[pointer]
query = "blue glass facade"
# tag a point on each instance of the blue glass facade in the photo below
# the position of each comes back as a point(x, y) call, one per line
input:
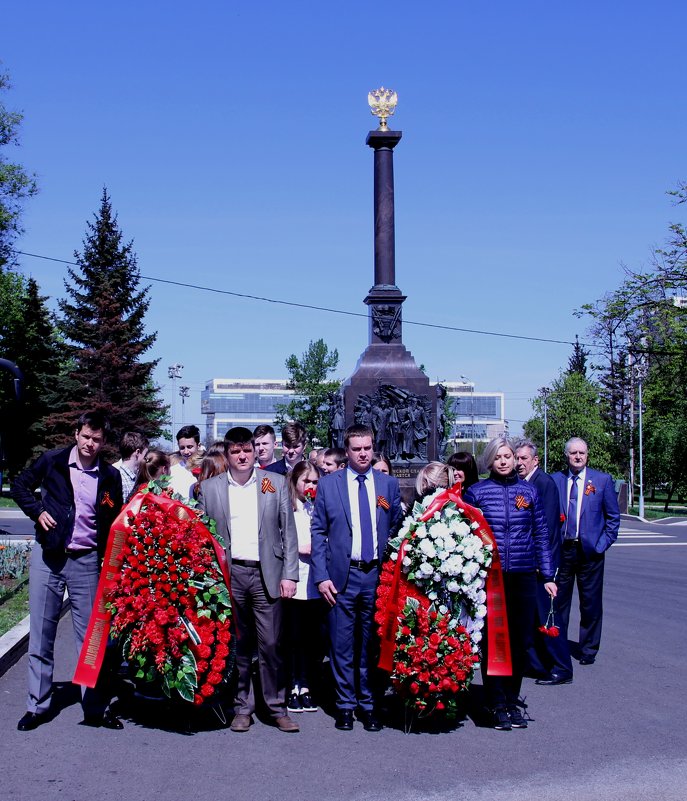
point(241, 402)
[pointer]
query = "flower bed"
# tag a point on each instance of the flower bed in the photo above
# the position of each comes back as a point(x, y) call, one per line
point(14, 566)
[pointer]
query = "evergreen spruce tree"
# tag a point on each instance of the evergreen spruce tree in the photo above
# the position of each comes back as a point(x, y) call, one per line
point(39, 353)
point(577, 363)
point(103, 323)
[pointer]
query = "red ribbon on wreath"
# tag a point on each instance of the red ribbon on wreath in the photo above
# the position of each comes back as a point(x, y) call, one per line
point(498, 640)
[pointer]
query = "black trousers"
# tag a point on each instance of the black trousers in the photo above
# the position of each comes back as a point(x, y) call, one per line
point(588, 570)
point(521, 603)
point(304, 644)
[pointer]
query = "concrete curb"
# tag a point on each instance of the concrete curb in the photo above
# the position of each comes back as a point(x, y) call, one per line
point(13, 645)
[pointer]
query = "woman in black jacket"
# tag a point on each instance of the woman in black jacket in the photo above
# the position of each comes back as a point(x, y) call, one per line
point(512, 508)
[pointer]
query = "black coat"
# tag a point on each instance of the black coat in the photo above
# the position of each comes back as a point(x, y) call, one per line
point(50, 472)
point(550, 500)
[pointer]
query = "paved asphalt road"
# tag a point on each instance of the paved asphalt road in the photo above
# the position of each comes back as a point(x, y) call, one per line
point(616, 734)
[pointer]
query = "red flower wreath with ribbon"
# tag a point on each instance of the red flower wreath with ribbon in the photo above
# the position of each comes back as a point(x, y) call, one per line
point(164, 595)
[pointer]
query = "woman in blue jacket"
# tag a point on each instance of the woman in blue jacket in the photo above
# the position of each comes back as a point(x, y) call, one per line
point(512, 508)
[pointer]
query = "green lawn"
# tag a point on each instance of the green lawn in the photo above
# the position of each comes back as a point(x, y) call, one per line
point(7, 503)
point(14, 610)
point(655, 512)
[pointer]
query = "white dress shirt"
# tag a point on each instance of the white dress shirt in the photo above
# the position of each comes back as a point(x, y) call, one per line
point(353, 490)
point(243, 514)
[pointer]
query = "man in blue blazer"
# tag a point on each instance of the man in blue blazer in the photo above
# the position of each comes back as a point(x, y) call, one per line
point(356, 511)
point(591, 521)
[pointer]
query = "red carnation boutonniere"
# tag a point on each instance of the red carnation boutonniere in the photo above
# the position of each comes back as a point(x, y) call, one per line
point(590, 489)
point(107, 501)
point(562, 518)
point(310, 494)
point(267, 486)
point(383, 503)
point(521, 502)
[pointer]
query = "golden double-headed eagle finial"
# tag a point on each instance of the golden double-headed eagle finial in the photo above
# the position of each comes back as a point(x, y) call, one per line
point(382, 104)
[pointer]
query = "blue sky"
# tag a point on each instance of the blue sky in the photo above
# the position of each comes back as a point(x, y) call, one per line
point(539, 140)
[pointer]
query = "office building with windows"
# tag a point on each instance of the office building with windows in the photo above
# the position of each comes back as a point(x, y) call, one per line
point(479, 416)
point(229, 402)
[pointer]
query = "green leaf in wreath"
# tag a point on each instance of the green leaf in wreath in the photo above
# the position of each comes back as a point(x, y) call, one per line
point(223, 597)
point(412, 604)
point(185, 688)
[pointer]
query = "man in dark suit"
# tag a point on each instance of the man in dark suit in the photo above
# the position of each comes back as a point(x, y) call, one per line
point(356, 511)
point(591, 521)
point(549, 657)
point(80, 497)
point(254, 516)
point(293, 440)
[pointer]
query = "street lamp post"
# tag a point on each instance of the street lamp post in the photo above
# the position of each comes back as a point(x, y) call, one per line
point(641, 455)
point(472, 410)
point(184, 392)
point(174, 373)
point(545, 396)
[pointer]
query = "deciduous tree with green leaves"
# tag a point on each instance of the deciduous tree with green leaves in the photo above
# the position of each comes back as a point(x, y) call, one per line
point(573, 410)
point(642, 328)
point(310, 381)
point(16, 184)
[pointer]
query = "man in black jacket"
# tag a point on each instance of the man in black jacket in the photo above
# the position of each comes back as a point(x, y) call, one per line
point(80, 497)
point(548, 655)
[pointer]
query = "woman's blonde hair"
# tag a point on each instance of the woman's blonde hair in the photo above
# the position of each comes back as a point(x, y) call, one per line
point(432, 476)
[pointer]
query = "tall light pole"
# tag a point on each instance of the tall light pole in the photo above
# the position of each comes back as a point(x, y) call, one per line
point(184, 392)
point(641, 453)
point(472, 409)
point(639, 373)
point(174, 373)
point(544, 392)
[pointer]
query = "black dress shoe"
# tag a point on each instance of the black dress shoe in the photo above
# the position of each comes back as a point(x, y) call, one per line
point(370, 721)
point(106, 721)
point(554, 679)
point(587, 660)
point(32, 720)
point(344, 720)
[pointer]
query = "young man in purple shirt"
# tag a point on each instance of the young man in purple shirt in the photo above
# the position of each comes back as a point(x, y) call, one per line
point(80, 497)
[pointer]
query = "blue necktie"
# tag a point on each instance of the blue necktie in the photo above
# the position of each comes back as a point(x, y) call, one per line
point(367, 547)
point(571, 528)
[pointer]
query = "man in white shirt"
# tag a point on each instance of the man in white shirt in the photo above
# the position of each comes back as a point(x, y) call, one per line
point(254, 515)
point(182, 479)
